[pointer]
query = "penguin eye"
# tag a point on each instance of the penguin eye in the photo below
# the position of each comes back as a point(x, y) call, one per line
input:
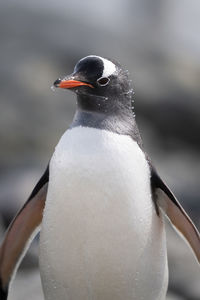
point(103, 81)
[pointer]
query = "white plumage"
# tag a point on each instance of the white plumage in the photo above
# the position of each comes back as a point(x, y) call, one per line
point(101, 238)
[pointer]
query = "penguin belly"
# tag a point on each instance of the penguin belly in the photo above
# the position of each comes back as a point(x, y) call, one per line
point(101, 238)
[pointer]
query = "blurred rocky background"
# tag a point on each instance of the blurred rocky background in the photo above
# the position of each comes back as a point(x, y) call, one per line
point(159, 43)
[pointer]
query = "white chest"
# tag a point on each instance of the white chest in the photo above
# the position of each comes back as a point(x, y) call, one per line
point(101, 238)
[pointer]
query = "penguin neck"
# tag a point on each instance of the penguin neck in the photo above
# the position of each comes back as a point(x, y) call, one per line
point(121, 104)
point(105, 113)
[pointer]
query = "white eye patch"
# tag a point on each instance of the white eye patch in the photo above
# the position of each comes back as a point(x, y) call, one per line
point(109, 67)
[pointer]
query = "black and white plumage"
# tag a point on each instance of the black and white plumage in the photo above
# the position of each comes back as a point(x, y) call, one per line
point(102, 233)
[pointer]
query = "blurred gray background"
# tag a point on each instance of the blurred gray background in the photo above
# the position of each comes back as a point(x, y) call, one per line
point(159, 43)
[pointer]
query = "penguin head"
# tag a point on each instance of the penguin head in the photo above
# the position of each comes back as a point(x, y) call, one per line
point(100, 84)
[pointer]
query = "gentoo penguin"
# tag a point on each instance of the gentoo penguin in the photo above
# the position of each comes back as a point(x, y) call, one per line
point(100, 202)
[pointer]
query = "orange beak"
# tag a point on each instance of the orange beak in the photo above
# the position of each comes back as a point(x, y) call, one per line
point(68, 84)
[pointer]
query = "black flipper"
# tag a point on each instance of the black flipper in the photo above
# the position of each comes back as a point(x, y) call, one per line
point(168, 203)
point(21, 232)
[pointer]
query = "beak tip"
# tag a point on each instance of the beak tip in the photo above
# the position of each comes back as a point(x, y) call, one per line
point(57, 82)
